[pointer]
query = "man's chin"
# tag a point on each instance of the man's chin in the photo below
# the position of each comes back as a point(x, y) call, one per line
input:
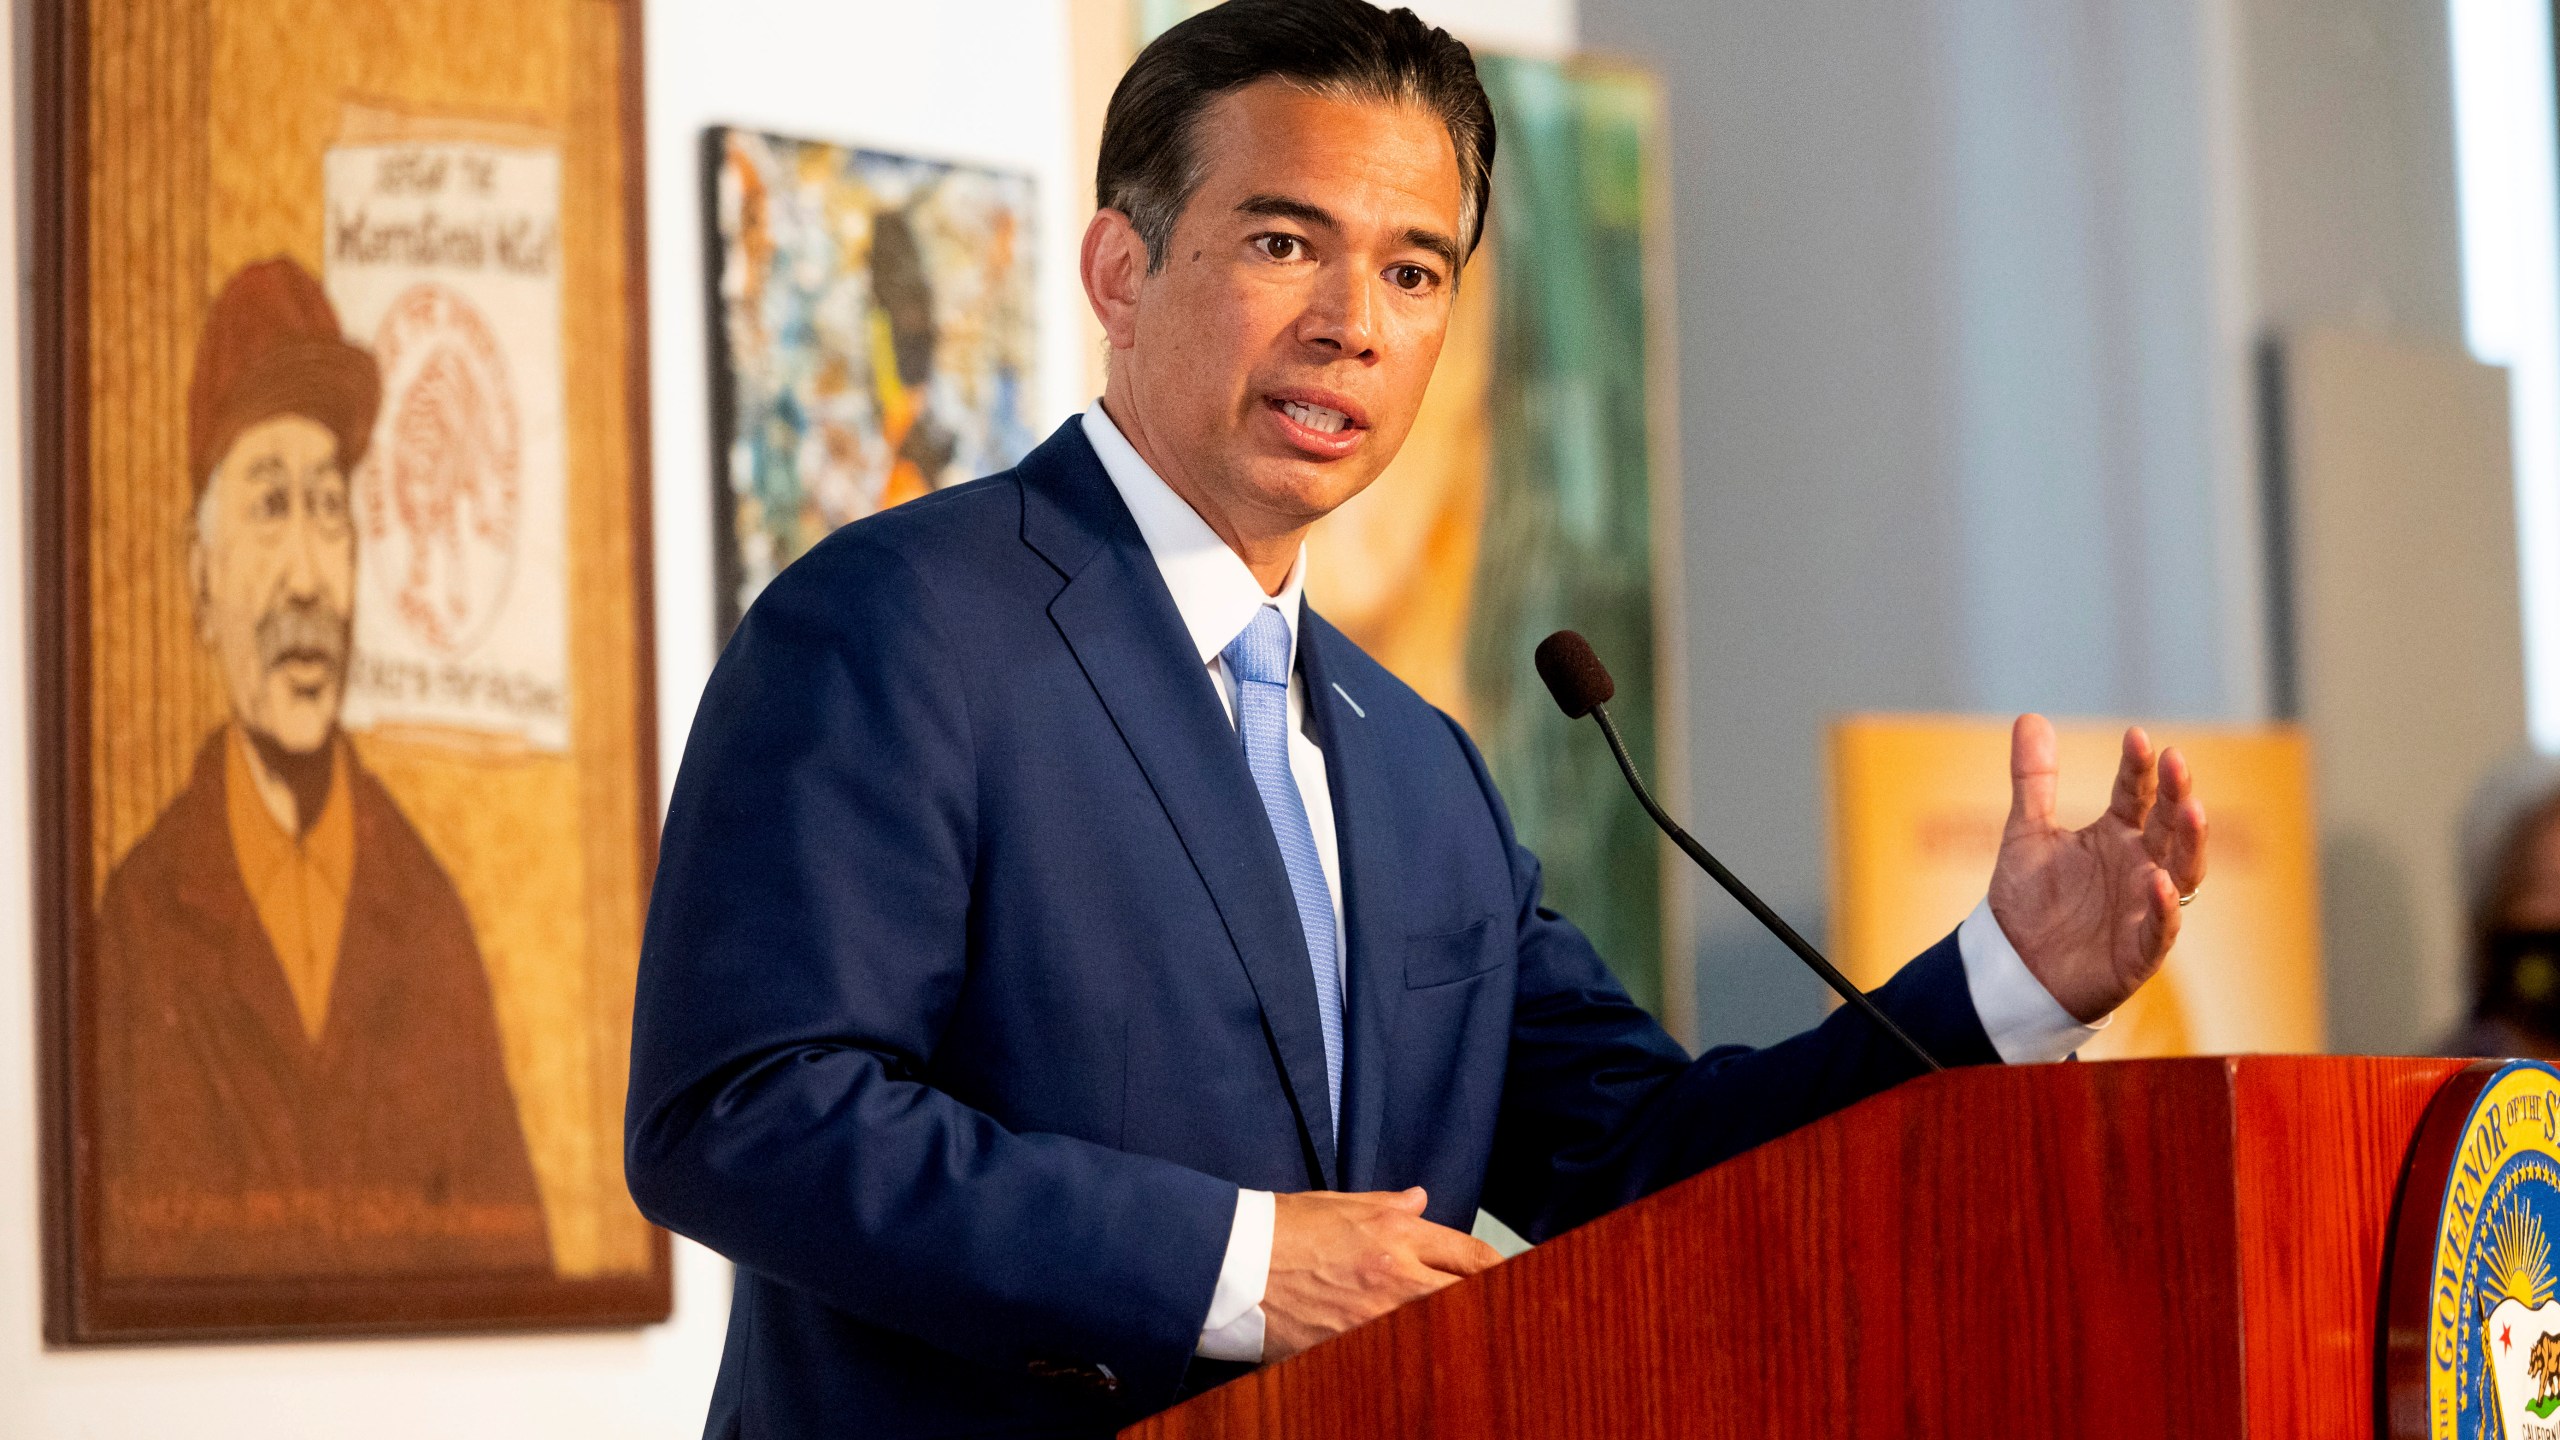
point(297, 734)
point(1311, 490)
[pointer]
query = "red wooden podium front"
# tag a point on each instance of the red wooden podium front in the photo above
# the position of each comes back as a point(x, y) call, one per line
point(2188, 1248)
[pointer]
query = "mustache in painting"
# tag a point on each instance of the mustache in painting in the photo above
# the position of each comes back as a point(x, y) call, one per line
point(309, 632)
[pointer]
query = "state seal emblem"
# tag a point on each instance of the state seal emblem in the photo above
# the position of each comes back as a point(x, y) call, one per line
point(2481, 1208)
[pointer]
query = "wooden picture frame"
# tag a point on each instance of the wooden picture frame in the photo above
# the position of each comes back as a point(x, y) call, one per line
point(430, 738)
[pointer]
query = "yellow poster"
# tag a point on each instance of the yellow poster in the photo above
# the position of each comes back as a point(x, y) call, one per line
point(1917, 805)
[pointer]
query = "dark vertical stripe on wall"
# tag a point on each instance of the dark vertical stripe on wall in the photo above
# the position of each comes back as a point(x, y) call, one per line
point(2275, 469)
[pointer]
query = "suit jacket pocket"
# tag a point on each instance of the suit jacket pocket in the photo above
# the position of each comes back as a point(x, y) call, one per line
point(1450, 956)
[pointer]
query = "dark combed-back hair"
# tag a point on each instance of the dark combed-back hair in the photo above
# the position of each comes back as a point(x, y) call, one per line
point(1340, 49)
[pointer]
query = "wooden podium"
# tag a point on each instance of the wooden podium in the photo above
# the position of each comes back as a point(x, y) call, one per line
point(2187, 1248)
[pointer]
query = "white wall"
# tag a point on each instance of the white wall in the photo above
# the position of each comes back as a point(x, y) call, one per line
point(2348, 143)
point(1963, 404)
point(983, 81)
point(1534, 27)
point(1969, 294)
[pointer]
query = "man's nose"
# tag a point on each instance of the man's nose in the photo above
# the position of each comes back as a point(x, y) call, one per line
point(1341, 318)
point(302, 543)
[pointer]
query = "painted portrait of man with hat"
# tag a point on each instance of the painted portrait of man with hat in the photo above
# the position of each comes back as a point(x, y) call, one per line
point(299, 1070)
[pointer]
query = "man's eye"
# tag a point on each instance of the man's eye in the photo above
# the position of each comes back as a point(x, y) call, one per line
point(1282, 247)
point(1410, 277)
point(272, 503)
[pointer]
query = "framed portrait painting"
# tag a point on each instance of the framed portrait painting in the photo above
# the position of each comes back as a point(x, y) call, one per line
point(345, 739)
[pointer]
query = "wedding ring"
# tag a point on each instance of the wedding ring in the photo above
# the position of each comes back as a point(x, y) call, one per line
point(2186, 900)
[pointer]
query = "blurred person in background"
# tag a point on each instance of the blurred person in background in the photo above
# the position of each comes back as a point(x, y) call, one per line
point(2511, 895)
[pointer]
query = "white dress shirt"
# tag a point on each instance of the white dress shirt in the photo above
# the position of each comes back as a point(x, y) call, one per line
point(1217, 596)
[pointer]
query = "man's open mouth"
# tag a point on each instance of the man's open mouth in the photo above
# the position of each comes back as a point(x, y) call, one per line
point(1320, 423)
point(1316, 417)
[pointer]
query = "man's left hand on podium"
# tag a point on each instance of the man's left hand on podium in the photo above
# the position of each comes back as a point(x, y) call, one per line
point(2094, 911)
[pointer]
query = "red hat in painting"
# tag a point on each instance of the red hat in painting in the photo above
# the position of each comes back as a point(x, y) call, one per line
point(272, 347)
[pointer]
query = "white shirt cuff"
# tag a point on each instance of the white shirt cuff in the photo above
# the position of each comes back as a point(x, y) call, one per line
point(2026, 1024)
point(1233, 1330)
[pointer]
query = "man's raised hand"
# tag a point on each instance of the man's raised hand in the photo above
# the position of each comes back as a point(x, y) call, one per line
point(1340, 1260)
point(2094, 911)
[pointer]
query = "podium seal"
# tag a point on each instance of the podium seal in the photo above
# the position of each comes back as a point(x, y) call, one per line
point(2472, 1345)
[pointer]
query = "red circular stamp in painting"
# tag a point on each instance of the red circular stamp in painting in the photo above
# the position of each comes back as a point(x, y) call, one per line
point(441, 498)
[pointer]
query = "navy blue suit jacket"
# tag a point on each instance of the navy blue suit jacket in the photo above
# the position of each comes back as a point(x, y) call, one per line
point(972, 988)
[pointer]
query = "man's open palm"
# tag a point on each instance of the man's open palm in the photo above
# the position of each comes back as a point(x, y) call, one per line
point(2094, 911)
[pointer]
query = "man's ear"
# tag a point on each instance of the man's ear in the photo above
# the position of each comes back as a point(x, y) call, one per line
point(1114, 266)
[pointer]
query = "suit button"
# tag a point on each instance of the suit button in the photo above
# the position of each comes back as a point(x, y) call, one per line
point(1096, 1377)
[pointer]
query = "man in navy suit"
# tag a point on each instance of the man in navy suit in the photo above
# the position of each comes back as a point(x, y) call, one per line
point(1077, 972)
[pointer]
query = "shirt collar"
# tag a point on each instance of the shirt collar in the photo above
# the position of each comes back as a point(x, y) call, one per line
point(298, 884)
point(1213, 589)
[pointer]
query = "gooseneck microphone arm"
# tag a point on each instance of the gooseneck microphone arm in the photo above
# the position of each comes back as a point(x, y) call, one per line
point(1581, 686)
point(1733, 886)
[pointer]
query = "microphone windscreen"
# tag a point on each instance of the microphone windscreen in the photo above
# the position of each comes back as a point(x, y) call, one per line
point(1574, 674)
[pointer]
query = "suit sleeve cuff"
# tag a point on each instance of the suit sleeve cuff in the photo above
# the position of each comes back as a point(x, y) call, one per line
point(1233, 1330)
point(2026, 1024)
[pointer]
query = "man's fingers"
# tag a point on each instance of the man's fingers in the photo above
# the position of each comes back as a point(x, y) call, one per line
point(2177, 782)
point(2175, 835)
point(2137, 780)
point(1342, 1259)
point(1423, 1280)
point(1411, 1202)
point(1447, 1250)
point(2186, 859)
point(2160, 918)
point(2034, 773)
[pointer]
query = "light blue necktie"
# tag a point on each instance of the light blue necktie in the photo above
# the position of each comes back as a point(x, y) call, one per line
point(1259, 661)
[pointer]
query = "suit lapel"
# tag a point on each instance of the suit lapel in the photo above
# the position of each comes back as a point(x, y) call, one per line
point(1117, 616)
point(248, 1039)
point(1355, 772)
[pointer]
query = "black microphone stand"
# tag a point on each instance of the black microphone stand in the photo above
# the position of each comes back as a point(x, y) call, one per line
point(1856, 998)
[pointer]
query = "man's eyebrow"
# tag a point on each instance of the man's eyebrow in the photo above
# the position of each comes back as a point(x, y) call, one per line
point(1438, 244)
point(1281, 207)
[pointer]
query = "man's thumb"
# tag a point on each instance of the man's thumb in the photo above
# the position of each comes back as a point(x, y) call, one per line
point(1414, 1200)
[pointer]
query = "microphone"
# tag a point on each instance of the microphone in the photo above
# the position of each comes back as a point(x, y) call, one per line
point(1582, 686)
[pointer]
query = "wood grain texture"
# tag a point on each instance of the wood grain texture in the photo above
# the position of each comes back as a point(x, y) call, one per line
point(2321, 1148)
point(2176, 1247)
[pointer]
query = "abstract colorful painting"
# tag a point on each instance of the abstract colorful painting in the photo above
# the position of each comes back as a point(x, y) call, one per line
point(873, 338)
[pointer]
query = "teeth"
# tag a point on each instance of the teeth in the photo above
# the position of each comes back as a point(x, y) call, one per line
point(1315, 417)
